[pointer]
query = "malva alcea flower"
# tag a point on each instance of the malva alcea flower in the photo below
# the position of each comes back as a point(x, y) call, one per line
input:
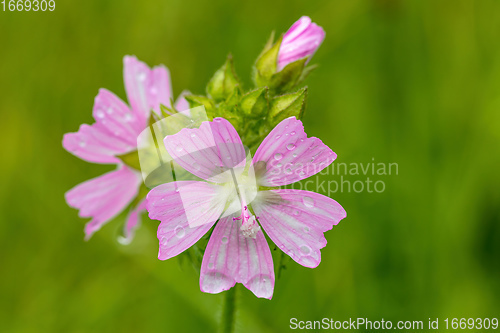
point(301, 40)
point(241, 199)
point(115, 133)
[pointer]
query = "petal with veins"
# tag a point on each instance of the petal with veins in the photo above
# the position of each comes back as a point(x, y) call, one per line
point(146, 88)
point(208, 152)
point(287, 155)
point(187, 210)
point(230, 257)
point(102, 198)
point(94, 143)
point(295, 221)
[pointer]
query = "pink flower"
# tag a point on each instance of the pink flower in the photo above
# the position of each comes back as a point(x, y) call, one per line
point(233, 195)
point(114, 133)
point(301, 40)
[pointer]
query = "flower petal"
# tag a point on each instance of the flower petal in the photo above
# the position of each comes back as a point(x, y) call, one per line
point(146, 88)
point(102, 198)
point(208, 152)
point(133, 222)
point(94, 143)
point(286, 155)
point(187, 210)
point(296, 220)
point(230, 257)
point(116, 117)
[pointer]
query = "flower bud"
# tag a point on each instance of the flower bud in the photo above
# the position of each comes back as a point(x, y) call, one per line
point(301, 40)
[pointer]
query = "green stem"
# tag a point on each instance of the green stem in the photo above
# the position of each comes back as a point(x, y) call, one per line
point(228, 311)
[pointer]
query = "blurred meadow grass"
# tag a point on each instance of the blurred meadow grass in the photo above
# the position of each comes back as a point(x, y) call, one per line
point(410, 82)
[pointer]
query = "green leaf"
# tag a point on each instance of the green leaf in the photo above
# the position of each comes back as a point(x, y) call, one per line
point(224, 82)
point(266, 65)
point(131, 159)
point(288, 105)
point(254, 103)
point(288, 77)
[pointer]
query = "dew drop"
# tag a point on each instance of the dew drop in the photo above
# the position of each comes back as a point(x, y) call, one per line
point(278, 156)
point(306, 229)
point(164, 241)
point(210, 266)
point(293, 133)
point(109, 110)
point(224, 240)
point(308, 202)
point(305, 249)
point(128, 117)
point(99, 114)
point(141, 76)
point(296, 213)
point(279, 165)
point(294, 155)
point(179, 231)
point(179, 148)
point(193, 135)
point(177, 190)
point(278, 136)
point(288, 171)
point(290, 146)
point(82, 144)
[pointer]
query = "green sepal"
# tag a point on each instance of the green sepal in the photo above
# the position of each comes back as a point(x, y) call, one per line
point(255, 103)
point(266, 64)
point(224, 82)
point(131, 159)
point(288, 105)
point(196, 100)
point(288, 77)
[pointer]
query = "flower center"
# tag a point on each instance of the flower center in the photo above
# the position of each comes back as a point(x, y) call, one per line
point(249, 226)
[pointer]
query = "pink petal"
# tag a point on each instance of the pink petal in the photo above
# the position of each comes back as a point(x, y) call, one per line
point(102, 198)
point(146, 89)
point(181, 104)
point(286, 155)
point(296, 220)
point(133, 221)
point(208, 152)
point(94, 143)
point(230, 257)
point(116, 117)
point(301, 40)
point(187, 210)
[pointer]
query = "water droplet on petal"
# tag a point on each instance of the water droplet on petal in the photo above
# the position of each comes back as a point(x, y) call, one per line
point(179, 148)
point(179, 231)
point(193, 135)
point(278, 136)
point(278, 156)
point(99, 114)
point(224, 240)
point(306, 229)
point(82, 144)
point(290, 146)
point(296, 213)
point(210, 266)
point(305, 249)
point(163, 241)
point(109, 110)
point(141, 76)
point(128, 117)
point(293, 133)
point(288, 171)
point(279, 165)
point(308, 202)
point(294, 155)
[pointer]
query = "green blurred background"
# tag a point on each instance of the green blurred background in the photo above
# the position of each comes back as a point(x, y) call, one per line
point(410, 82)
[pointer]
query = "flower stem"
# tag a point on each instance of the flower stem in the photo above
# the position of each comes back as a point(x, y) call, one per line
point(228, 311)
